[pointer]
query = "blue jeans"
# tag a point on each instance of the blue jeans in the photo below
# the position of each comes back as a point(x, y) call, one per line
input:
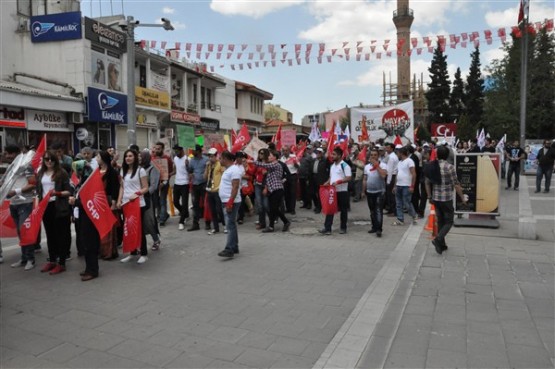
point(262, 204)
point(543, 171)
point(375, 205)
point(232, 242)
point(19, 214)
point(403, 200)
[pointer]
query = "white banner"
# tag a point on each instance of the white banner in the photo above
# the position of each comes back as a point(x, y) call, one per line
point(160, 82)
point(254, 146)
point(386, 122)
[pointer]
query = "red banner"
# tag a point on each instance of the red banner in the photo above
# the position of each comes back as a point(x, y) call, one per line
point(37, 158)
point(95, 203)
point(328, 199)
point(241, 140)
point(444, 129)
point(132, 228)
point(30, 228)
point(8, 228)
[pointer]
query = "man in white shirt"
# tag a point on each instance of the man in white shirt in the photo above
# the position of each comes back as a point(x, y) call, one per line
point(181, 185)
point(340, 175)
point(374, 188)
point(404, 186)
point(291, 184)
point(392, 161)
point(231, 201)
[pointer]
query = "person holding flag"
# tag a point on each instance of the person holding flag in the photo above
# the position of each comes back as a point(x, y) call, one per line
point(57, 216)
point(21, 198)
point(134, 186)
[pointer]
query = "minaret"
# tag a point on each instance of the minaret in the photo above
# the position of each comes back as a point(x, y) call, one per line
point(403, 17)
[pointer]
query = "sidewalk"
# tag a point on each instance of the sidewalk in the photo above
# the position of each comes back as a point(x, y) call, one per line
point(486, 302)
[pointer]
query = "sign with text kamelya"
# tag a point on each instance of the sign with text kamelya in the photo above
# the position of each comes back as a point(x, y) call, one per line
point(106, 106)
point(105, 36)
point(478, 175)
point(56, 27)
point(385, 122)
point(186, 136)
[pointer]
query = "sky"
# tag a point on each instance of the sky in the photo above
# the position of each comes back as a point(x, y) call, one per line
point(312, 88)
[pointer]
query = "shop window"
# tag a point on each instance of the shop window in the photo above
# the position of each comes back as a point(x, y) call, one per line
point(15, 137)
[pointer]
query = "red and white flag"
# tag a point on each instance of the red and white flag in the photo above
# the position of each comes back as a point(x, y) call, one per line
point(362, 155)
point(8, 229)
point(398, 141)
point(95, 203)
point(36, 162)
point(277, 138)
point(242, 139)
point(523, 10)
point(30, 228)
point(132, 228)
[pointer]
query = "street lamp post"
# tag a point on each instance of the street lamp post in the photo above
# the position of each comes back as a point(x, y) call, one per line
point(129, 26)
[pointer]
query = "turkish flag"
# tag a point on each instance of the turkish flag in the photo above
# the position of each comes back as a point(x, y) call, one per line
point(331, 141)
point(37, 158)
point(300, 150)
point(362, 155)
point(95, 204)
point(30, 228)
point(242, 139)
point(74, 179)
point(8, 228)
point(277, 138)
point(132, 228)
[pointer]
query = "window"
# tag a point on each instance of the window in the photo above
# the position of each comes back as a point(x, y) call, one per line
point(202, 96)
point(195, 93)
point(209, 97)
point(24, 7)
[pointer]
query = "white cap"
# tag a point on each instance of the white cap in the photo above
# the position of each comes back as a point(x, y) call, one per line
point(413, 146)
point(425, 144)
point(320, 149)
point(398, 147)
point(212, 151)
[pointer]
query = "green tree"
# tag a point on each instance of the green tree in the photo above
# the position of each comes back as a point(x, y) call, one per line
point(270, 112)
point(456, 100)
point(541, 85)
point(439, 88)
point(474, 92)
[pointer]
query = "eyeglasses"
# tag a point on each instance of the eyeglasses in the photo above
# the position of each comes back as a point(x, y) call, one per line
point(49, 159)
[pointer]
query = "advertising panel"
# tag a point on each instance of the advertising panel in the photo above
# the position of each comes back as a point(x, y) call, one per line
point(107, 106)
point(182, 117)
point(532, 147)
point(152, 98)
point(386, 122)
point(186, 136)
point(105, 36)
point(47, 121)
point(12, 117)
point(478, 175)
point(56, 27)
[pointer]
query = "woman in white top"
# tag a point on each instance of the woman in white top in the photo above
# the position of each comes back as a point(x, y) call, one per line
point(134, 185)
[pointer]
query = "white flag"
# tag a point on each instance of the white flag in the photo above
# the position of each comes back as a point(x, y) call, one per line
point(314, 133)
point(482, 139)
point(348, 132)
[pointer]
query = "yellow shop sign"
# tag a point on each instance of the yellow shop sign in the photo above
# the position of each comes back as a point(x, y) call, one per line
point(152, 98)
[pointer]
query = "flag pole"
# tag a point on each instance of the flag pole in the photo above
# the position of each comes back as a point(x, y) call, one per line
point(523, 76)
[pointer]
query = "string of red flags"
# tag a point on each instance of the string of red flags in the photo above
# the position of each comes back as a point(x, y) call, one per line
point(247, 56)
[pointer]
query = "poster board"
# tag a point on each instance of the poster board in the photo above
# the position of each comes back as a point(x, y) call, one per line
point(254, 146)
point(479, 176)
point(186, 136)
point(532, 147)
point(385, 122)
point(288, 137)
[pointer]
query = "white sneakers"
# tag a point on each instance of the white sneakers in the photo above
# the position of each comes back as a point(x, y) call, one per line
point(28, 265)
point(225, 230)
point(142, 259)
point(181, 226)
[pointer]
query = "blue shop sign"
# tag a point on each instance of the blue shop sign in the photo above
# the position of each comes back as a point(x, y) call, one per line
point(107, 106)
point(56, 27)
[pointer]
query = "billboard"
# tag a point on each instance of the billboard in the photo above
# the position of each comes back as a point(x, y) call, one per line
point(105, 36)
point(106, 106)
point(385, 122)
point(56, 27)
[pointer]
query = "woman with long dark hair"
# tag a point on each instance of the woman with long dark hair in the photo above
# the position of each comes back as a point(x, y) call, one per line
point(134, 186)
point(111, 181)
point(57, 216)
point(150, 225)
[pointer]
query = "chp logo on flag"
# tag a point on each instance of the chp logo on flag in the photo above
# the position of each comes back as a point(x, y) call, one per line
point(98, 204)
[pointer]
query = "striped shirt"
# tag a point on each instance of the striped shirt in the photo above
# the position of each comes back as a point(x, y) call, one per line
point(444, 191)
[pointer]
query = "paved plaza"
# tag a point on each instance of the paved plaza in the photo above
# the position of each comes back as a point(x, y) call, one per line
point(297, 300)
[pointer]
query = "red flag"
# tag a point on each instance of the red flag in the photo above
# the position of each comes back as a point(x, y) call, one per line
point(344, 145)
point(523, 11)
point(30, 228)
point(433, 155)
point(233, 137)
point(364, 130)
point(277, 138)
point(8, 229)
point(362, 155)
point(331, 141)
point(132, 228)
point(37, 158)
point(301, 149)
point(95, 203)
point(242, 139)
point(398, 141)
point(74, 179)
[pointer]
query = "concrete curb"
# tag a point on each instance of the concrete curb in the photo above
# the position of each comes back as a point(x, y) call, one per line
point(526, 220)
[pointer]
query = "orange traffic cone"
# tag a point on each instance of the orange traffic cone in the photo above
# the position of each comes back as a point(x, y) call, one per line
point(431, 220)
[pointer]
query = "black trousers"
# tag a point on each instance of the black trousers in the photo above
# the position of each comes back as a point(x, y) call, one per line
point(291, 193)
point(315, 194)
point(90, 241)
point(58, 234)
point(343, 205)
point(306, 191)
point(216, 209)
point(516, 170)
point(276, 198)
point(197, 198)
point(390, 202)
point(181, 201)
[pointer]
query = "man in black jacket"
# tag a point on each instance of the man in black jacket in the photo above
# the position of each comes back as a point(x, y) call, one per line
point(319, 174)
point(304, 177)
point(545, 160)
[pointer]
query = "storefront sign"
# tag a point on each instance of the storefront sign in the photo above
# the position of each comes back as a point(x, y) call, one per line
point(107, 106)
point(147, 120)
point(12, 117)
point(186, 136)
point(152, 98)
point(478, 175)
point(212, 126)
point(182, 117)
point(47, 121)
point(56, 27)
point(105, 36)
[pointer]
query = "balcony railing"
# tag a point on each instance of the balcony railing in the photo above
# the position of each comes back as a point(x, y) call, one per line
point(403, 13)
point(212, 107)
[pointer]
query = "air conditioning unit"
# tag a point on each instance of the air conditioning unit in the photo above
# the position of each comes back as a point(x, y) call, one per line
point(76, 118)
point(23, 25)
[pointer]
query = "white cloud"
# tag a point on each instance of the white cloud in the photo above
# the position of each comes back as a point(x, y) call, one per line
point(509, 17)
point(251, 8)
point(168, 10)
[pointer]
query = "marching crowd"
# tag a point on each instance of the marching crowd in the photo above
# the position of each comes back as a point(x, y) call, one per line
point(223, 188)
